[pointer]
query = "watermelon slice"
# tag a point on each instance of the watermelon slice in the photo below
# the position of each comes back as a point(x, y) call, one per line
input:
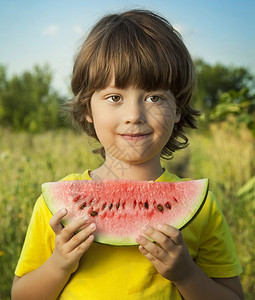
point(121, 208)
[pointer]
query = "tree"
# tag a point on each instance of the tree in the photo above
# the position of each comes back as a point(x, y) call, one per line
point(238, 104)
point(28, 101)
point(3, 82)
point(213, 80)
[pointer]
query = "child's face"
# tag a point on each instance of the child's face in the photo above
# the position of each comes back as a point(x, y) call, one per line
point(133, 125)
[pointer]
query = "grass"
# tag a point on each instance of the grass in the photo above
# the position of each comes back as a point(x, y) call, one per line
point(225, 155)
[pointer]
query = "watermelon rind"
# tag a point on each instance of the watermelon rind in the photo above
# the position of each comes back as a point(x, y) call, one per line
point(199, 207)
point(65, 188)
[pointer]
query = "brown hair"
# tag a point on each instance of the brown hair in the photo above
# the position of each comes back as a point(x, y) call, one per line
point(141, 49)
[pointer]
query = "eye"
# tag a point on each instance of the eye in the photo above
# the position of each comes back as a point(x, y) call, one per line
point(114, 98)
point(154, 99)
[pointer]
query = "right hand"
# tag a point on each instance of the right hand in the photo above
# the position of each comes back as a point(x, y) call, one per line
point(69, 245)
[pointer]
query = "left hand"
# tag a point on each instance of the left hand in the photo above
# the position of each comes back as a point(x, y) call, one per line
point(169, 254)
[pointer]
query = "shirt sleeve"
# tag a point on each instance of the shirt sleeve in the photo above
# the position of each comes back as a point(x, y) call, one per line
point(39, 241)
point(217, 255)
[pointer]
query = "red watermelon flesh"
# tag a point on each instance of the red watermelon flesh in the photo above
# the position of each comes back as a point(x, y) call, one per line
point(121, 208)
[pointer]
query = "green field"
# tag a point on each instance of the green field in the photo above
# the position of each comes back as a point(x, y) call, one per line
point(225, 154)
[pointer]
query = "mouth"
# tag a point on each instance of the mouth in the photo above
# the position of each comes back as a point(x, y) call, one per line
point(135, 136)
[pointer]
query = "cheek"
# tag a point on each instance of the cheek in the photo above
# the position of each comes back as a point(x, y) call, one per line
point(163, 122)
point(104, 127)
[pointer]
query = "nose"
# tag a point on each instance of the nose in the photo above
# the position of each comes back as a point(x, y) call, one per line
point(134, 112)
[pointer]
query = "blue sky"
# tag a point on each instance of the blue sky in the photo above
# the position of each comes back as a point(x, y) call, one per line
point(50, 31)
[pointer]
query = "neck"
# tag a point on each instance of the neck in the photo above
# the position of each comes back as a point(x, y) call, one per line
point(114, 169)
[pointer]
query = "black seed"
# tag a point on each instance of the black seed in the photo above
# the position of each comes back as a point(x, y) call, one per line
point(175, 200)
point(104, 206)
point(168, 205)
point(146, 205)
point(118, 205)
point(83, 206)
point(77, 198)
point(94, 213)
point(160, 207)
point(110, 206)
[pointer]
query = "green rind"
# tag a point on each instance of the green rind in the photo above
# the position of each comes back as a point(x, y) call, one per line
point(46, 197)
point(200, 207)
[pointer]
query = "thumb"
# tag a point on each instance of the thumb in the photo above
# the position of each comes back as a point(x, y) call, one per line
point(56, 219)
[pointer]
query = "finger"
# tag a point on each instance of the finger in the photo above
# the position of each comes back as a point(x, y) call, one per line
point(170, 231)
point(158, 263)
point(143, 250)
point(164, 241)
point(73, 227)
point(83, 247)
point(55, 220)
point(151, 250)
point(81, 237)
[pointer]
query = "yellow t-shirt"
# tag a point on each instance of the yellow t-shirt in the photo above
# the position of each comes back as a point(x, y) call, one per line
point(114, 272)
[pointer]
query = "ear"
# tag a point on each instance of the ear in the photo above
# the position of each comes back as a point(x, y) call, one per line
point(177, 117)
point(88, 118)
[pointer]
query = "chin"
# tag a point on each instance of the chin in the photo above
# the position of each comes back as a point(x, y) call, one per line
point(138, 160)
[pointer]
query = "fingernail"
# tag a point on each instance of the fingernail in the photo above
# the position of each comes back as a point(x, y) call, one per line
point(160, 226)
point(63, 210)
point(145, 228)
point(138, 239)
point(92, 226)
point(86, 218)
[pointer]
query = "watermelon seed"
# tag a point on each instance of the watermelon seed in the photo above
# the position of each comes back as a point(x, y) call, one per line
point(104, 206)
point(134, 204)
point(77, 198)
point(175, 199)
point(118, 205)
point(160, 207)
point(146, 205)
point(83, 206)
point(168, 205)
point(110, 206)
point(94, 213)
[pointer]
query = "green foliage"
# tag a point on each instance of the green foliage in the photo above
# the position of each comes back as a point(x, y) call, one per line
point(213, 80)
point(247, 191)
point(225, 154)
point(28, 102)
point(223, 92)
point(237, 104)
point(26, 161)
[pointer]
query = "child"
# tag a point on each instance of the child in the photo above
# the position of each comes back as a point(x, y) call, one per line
point(133, 81)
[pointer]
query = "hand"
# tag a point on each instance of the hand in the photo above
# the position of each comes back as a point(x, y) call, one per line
point(69, 247)
point(169, 254)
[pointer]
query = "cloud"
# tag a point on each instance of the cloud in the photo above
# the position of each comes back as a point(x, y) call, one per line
point(77, 29)
point(51, 30)
point(180, 28)
point(185, 30)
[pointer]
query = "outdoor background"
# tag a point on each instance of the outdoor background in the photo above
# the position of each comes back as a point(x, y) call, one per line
point(38, 42)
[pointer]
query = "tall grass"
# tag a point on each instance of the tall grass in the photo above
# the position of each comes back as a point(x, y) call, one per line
point(226, 156)
point(26, 161)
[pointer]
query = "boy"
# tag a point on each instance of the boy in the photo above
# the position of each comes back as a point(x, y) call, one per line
point(133, 81)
